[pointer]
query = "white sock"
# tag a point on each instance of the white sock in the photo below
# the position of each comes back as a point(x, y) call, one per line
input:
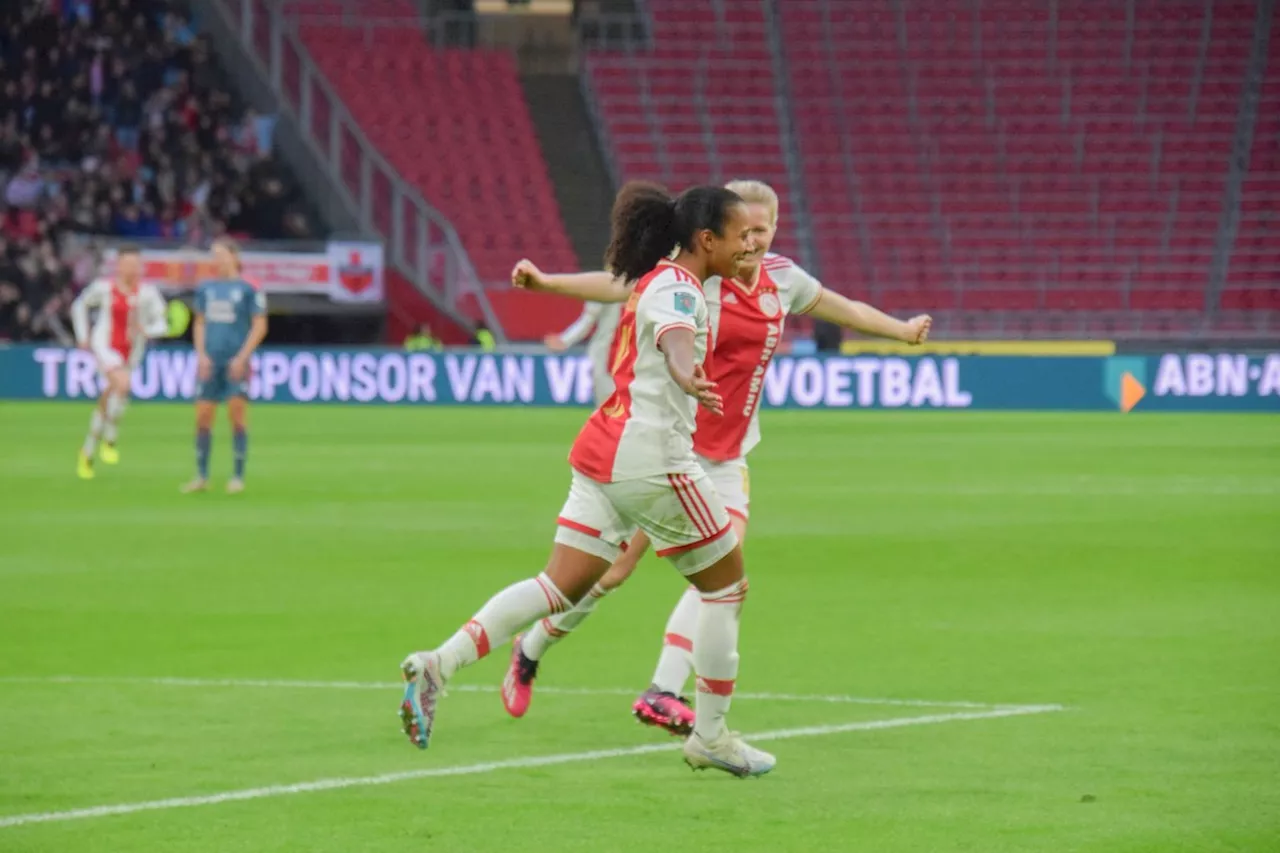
point(501, 616)
point(675, 663)
point(95, 430)
point(551, 630)
point(115, 411)
point(715, 657)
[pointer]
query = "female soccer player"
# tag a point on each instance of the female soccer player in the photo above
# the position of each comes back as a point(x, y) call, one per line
point(747, 317)
point(231, 321)
point(634, 467)
point(129, 313)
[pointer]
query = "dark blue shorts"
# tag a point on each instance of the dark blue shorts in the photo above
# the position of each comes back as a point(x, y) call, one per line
point(219, 386)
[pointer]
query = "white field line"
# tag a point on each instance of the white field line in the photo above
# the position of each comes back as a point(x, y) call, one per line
point(493, 766)
point(275, 684)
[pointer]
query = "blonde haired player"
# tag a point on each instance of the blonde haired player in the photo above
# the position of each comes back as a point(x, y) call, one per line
point(600, 320)
point(747, 315)
point(128, 314)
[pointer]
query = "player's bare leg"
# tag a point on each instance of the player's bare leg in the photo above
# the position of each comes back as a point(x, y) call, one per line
point(115, 401)
point(238, 413)
point(569, 574)
point(205, 412)
point(723, 588)
point(528, 648)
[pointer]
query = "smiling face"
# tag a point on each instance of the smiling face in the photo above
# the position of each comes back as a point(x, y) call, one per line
point(763, 229)
point(728, 251)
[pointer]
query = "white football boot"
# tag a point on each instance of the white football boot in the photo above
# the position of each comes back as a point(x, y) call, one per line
point(730, 753)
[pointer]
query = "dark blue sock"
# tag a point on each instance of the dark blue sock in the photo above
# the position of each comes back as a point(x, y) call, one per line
point(240, 444)
point(203, 442)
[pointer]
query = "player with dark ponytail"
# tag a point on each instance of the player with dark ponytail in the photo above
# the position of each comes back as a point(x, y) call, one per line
point(648, 223)
point(634, 467)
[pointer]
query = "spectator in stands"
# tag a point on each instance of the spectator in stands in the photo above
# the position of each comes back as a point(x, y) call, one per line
point(484, 339)
point(422, 340)
point(114, 121)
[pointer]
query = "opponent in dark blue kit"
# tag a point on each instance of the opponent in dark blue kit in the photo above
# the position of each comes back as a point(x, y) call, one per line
point(231, 320)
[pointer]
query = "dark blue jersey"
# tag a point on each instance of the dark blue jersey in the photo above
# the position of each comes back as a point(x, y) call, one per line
point(228, 307)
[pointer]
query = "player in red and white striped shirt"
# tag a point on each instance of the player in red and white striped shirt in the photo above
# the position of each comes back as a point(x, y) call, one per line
point(748, 315)
point(634, 468)
point(129, 313)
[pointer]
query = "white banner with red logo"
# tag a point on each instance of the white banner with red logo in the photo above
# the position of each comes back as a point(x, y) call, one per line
point(355, 272)
point(345, 272)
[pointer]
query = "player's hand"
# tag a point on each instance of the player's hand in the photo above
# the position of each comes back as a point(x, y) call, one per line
point(527, 276)
point(204, 368)
point(236, 369)
point(703, 390)
point(555, 343)
point(918, 330)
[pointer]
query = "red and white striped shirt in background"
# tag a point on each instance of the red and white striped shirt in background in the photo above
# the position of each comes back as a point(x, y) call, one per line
point(747, 323)
point(126, 318)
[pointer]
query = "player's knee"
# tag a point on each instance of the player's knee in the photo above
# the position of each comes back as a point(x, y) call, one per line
point(116, 404)
point(726, 571)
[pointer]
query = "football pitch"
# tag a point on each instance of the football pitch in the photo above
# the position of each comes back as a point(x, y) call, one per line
point(966, 632)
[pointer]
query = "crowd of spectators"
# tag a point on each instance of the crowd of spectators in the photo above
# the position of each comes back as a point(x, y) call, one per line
point(114, 122)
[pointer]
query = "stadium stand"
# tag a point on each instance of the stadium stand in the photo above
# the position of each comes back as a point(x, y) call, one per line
point(1017, 170)
point(666, 117)
point(452, 122)
point(113, 122)
point(1250, 301)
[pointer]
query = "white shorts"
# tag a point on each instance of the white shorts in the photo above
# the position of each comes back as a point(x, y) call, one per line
point(108, 359)
point(731, 483)
point(680, 513)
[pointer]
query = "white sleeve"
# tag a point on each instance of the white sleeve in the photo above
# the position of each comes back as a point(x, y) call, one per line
point(667, 305)
point(798, 290)
point(90, 297)
point(155, 315)
point(581, 327)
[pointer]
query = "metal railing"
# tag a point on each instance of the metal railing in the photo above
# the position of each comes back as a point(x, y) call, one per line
point(421, 243)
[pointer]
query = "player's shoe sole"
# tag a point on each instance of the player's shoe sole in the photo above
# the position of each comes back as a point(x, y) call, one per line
point(664, 711)
point(728, 753)
point(108, 454)
point(422, 690)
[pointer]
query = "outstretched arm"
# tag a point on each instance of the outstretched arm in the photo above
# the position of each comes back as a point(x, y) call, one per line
point(863, 318)
point(588, 286)
point(581, 327)
point(677, 345)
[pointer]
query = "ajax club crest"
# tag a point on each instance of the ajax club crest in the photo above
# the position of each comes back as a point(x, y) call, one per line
point(769, 304)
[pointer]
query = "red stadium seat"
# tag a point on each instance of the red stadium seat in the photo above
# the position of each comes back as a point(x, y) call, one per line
point(456, 124)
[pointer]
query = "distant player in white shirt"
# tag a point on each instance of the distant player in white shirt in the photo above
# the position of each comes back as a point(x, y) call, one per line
point(748, 318)
point(634, 468)
point(600, 321)
point(129, 313)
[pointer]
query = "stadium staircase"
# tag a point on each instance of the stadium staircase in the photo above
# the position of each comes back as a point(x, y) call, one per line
point(450, 126)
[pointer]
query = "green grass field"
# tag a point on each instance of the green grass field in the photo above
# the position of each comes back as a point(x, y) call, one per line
point(1123, 567)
